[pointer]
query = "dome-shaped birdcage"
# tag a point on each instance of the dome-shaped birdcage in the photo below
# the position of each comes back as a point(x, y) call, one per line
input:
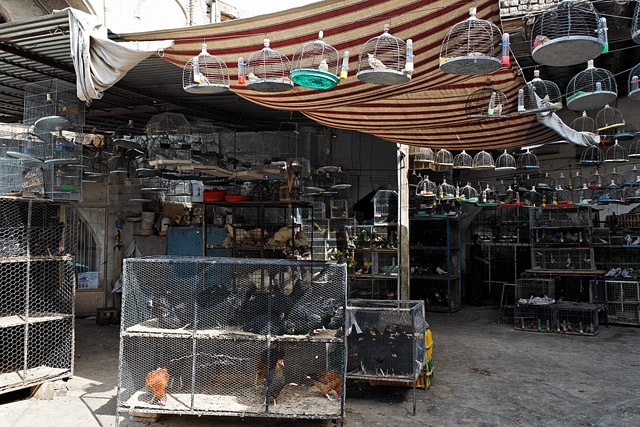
point(468, 193)
point(635, 24)
point(316, 65)
point(528, 160)
point(462, 160)
point(426, 188)
point(634, 150)
point(474, 46)
point(568, 34)
point(592, 88)
point(446, 191)
point(613, 177)
point(592, 155)
point(487, 195)
point(634, 78)
point(486, 103)
point(578, 181)
point(511, 195)
point(583, 123)
point(205, 73)
point(505, 161)
point(546, 182)
point(483, 161)
point(267, 70)
point(169, 124)
point(444, 158)
point(561, 195)
point(595, 181)
point(609, 118)
point(385, 60)
point(563, 181)
point(423, 158)
point(538, 96)
point(532, 197)
point(500, 188)
point(616, 154)
point(629, 177)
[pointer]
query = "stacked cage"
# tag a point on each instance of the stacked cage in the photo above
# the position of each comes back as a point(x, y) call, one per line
point(623, 301)
point(226, 336)
point(37, 290)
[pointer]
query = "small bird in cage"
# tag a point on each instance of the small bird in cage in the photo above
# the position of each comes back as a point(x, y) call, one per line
point(252, 77)
point(375, 63)
point(157, 381)
point(323, 66)
point(326, 382)
point(275, 383)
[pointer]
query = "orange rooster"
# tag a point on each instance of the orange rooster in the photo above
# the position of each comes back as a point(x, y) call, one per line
point(327, 381)
point(157, 381)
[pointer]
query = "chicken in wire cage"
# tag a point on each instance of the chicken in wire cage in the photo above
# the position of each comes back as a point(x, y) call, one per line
point(635, 24)
point(634, 80)
point(426, 188)
point(205, 73)
point(266, 70)
point(468, 193)
point(616, 154)
point(528, 160)
point(462, 160)
point(474, 46)
point(609, 118)
point(316, 65)
point(483, 160)
point(505, 161)
point(568, 34)
point(592, 155)
point(591, 88)
point(444, 158)
point(486, 103)
point(424, 157)
point(539, 96)
point(53, 105)
point(584, 123)
point(386, 60)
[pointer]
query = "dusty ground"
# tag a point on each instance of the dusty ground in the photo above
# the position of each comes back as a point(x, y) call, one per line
point(486, 374)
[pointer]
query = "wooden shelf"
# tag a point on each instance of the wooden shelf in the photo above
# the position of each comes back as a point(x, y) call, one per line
point(17, 320)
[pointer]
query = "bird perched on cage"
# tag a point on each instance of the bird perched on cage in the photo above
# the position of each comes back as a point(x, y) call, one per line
point(323, 66)
point(375, 63)
point(157, 381)
point(326, 382)
point(275, 383)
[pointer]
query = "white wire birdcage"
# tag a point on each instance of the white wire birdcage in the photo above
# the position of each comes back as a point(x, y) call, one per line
point(426, 188)
point(474, 46)
point(53, 105)
point(634, 150)
point(592, 155)
point(483, 161)
point(446, 191)
point(583, 123)
point(169, 124)
point(205, 73)
point(386, 60)
point(616, 154)
point(563, 182)
point(424, 157)
point(487, 195)
point(468, 193)
point(609, 118)
point(591, 88)
point(267, 71)
point(539, 96)
point(634, 77)
point(505, 161)
point(316, 65)
point(635, 24)
point(532, 197)
point(614, 177)
point(568, 34)
point(528, 160)
point(578, 181)
point(462, 161)
point(546, 182)
point(595, 181)
point(486, 103)
point(444, 158)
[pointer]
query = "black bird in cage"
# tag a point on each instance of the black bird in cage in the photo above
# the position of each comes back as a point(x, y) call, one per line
point(275, 383)
point(170, 312)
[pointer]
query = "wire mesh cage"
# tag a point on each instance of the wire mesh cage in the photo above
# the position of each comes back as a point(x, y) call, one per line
point(63, 182)
point(463, 160)
point(423, 158)
point(539, 96)
point(634, 150)
point(446, 191)
point(584, 123)
point(505, 161)
point(546, 182)
point(577, 181)
point(563, 182)
point(534, 317)
point(11, 176)
point(592, 155)
point(623, 301)
point(630, 177)
point(267, 70)
point(634, 79)
point(444, 158)
point(532, 197)
point(609, 118)
point(473, 46)
point(386, 60)
point(563, 258)
point(316, 65)
point(28, 146)
point(635, 24)
point(528, 160)
point(577, 319)
point(591, 88)
point(426, 188)
point(616, 154)
point(205, 73)
point(468, 193)
point(227, 336)
point(595, 181)
point(52, 105)
point(483, 161)
point(37, 290)
point(486, 103)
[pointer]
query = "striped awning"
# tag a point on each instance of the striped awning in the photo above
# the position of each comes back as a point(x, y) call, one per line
point(427, 111)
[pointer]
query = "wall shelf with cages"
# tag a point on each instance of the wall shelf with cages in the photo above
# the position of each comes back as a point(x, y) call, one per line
point(565, 259)
point(37, 291)
point(233, 337)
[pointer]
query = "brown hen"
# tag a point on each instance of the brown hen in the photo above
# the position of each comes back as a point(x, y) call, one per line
point(326, 381)
point(157, 381)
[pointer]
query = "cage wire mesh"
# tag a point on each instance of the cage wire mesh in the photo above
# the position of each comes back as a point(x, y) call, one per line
point(426, 188)
point(546, 182)
point(468, 193)
point(539, 96)
point(229, 337)
point(316, 65)
point(635, 24)
point(634, 150)
point(385, 60)
point(462, 160)
point(623, 301)
point(534, 317)
point(568, 34)
point(472, 47)
point(482, 161)
point(37, 290)
point(267, 70)
point(444, 158)
point(616, 154)
point(528, 160)
point(205, 73)
point(576, 319)
point(486, 103)
point(595, 181)
point(592, 155)
point(53, 105)
point(563, 182)
point(446, 191)
point(633, 84)
point(505, 161)
point(584, 123)
point(630, 177)
point(423, 158)
point(591, 89)
point(609, 118)
point(577, 181)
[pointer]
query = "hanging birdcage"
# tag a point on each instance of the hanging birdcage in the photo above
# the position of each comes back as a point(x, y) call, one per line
point(500, 188)
point(341, 180)
point(528, 182)
point(486, 103)
point(446, 191)
point(634, 150)
point(267, 71)
point(546, 182)
point(426, 188)
point(169, 124)
point(592, 88)
point(592, 155)
point(583, 123)
point(316, 65)
point(468, 193)
point(205, 73)
point(27, 146)
point(474, 46)
point(563, 182)
point(539, 96)
point(444, 158)
point(578, 181)
point(385, 60)
point(53, 105)
point(610, 193)
point(595, 181)
point(505, 161)
point(462, 161)
point(609, 118)
point(528, 160)
point(630, 177)
point(634, 78)
point(617, 154)
point(532, 197)
point(635, 24)
point(483, 161)
point(613, 177)
point(424, 157)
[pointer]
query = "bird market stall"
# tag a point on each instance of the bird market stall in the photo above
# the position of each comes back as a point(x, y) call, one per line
point(235, 337)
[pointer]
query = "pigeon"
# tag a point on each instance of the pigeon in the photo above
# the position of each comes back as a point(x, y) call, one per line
point(323, 66)
point(375, 63)
point(440, 271)
point(637, 241)
point(627, 239)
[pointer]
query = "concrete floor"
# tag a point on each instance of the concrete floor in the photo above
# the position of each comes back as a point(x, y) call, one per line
point(486, 374)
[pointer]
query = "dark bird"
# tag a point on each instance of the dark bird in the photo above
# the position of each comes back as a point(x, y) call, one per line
point(327, 381)
point(212, 296)
point(310, 312)
point(275, 383)
point(277, 353)
point(170, 312)
point(264, 324)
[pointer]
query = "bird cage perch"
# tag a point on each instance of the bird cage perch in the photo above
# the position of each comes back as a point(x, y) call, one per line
point(386, 60)
point(591, 88)
point(483, 161)
point(205, 73)
point(634, 77)
point(539, 96)
point(505, 161)
point(486, 103)
point(463, 161)
point(316, 65)
point(267, 71)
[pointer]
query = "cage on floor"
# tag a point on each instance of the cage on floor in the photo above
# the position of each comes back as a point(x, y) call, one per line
point(535, 287)
point(623, 301)
point(576, 319)
point(534, 317)
point(53, 105)
point(216, 336)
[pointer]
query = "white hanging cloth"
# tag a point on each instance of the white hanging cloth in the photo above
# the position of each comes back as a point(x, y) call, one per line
point(552, 121)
